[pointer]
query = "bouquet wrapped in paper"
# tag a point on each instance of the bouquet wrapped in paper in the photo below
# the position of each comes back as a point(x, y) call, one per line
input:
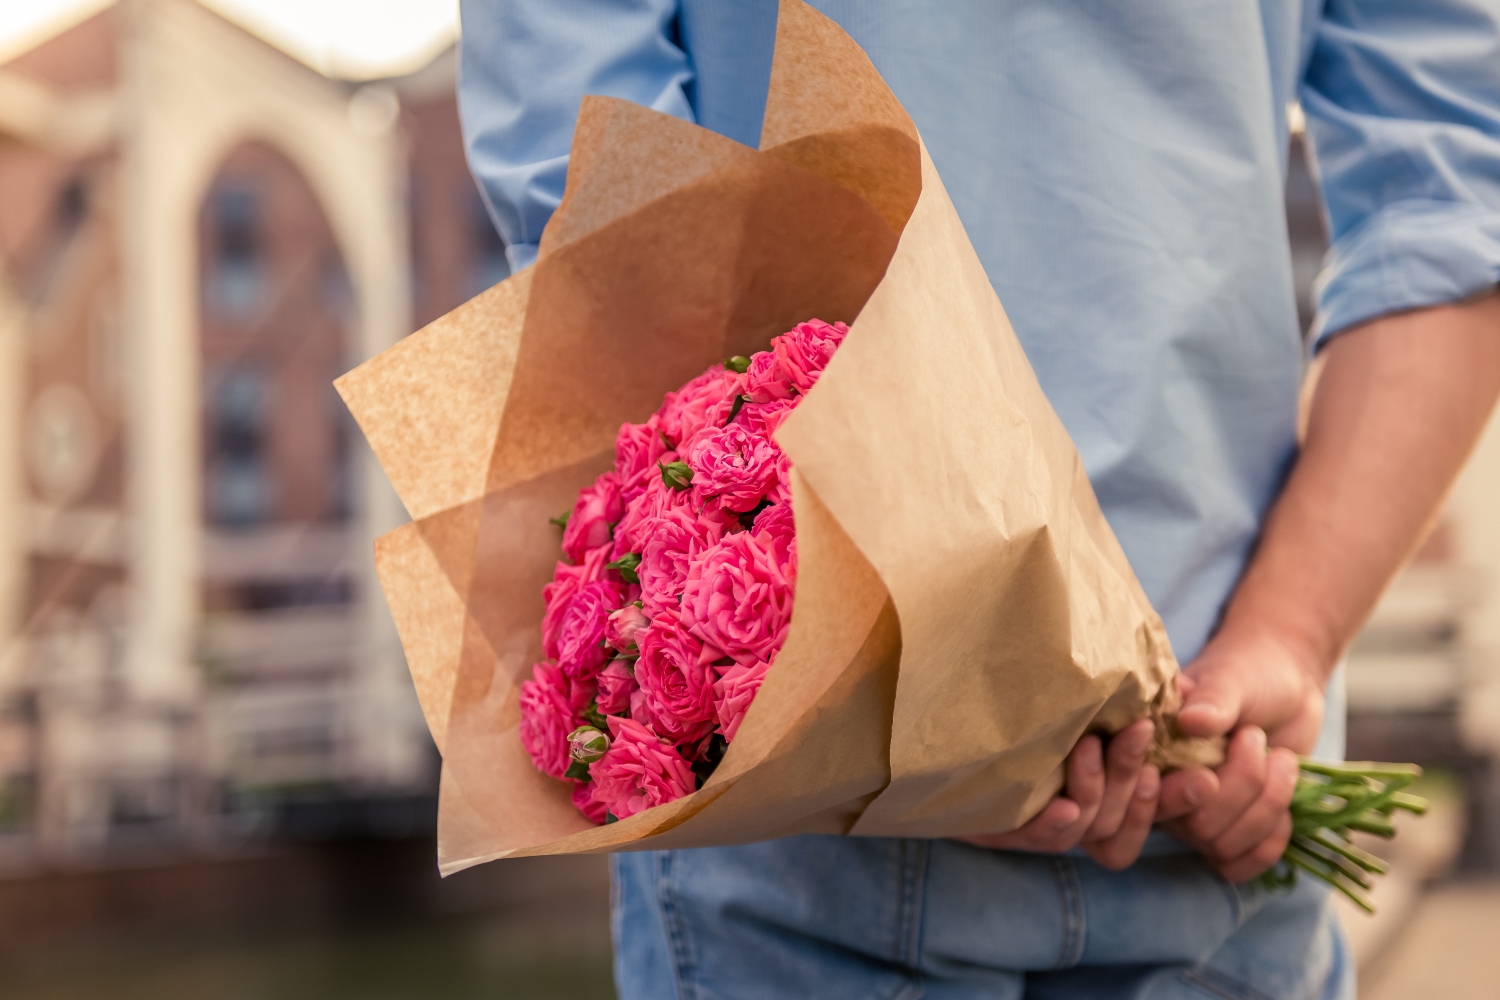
point(962, 614)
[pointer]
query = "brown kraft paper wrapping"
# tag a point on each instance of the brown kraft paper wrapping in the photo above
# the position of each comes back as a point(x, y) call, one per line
point(963, 611)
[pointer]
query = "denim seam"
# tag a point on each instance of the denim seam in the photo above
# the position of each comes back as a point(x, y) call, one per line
point(676, 928)
point(1240, 897)
point(913, 887)
point(1220, 986)
point(1074, 923)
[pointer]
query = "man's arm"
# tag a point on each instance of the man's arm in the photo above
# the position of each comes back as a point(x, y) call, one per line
point(1403, 111)
point(1400, 404)
point(523, 67)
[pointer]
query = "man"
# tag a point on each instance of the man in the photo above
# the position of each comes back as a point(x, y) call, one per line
point(1119, 168)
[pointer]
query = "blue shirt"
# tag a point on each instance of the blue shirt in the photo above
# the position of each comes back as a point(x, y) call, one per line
point(1119, 168)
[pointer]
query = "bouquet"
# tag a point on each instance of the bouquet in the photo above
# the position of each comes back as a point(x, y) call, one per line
point(963, 612)
point(677, 594)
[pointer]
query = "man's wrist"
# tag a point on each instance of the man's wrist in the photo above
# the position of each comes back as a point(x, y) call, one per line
point(1265, 632)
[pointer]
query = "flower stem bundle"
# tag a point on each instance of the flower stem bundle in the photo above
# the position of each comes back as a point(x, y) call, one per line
point(1331, 802)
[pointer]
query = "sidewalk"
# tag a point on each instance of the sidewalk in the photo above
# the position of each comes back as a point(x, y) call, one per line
point(1449, 948)
point(1430, 937)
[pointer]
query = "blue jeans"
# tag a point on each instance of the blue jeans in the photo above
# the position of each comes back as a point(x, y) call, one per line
point(837, 917)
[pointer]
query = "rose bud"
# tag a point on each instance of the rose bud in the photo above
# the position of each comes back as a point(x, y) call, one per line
point(678, 475)
point(622, 625)
point(587, 744)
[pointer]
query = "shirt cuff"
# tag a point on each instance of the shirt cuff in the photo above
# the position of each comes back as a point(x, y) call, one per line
point(520, 255)
point(1409, 255)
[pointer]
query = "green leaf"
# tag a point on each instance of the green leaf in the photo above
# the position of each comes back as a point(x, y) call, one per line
point(562, 520)
point(626, 565)
point(678, 475)
point(578, 771)
point(595, 717)
point(610, 817)
point(734, 410)
point(738, 363)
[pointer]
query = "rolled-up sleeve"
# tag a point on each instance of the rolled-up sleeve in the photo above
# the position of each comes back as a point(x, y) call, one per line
point(1403, 109)
point(524, 65)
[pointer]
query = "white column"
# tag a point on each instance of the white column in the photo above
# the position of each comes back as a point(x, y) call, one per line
point(388, 733)
point(158, 269)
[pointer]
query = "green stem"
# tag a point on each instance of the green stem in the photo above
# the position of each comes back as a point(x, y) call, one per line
point(1330, 801)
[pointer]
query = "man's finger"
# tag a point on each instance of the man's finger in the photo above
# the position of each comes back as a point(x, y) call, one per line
point(1241, 780)
point(1264, 816)
point(1212, 706)
point(1262, 856)
point(1122, 849)
point(1043, 828)
point(1081, 798)
point(1122, 767)
point(1185, 790)
point(1085, 787)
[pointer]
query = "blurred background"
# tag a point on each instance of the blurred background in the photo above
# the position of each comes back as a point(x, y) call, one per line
point(214, 778)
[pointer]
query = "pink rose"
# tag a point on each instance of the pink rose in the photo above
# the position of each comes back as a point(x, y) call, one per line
point(616, 685)
point(781, 490)
point(732, 465)
point(551, 708)
point(676, 681)
point(804, 350)
point(653, 502)
point(638, 771)
point(558, 595)
point(766, 380)
point(762, 419)
point(580, 632)
point(638, 448)
point(584, 802)
point(733, 693)
point(738, 598)
point(705, 400)
point(673, 541)
point(620, 629)
point(776, 526)
point(598, 508)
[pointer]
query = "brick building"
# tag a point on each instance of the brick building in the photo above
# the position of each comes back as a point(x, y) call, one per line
point(197, 234)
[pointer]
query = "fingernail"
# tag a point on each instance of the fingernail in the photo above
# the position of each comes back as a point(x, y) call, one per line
point(1255, 739)
point(1148, 784)
point(1138, 741)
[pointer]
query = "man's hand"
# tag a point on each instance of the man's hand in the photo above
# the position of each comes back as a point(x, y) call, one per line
point(1107, 806)
point(1237, 816)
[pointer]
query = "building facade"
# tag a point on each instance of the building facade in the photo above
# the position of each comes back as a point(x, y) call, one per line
point(197, 234)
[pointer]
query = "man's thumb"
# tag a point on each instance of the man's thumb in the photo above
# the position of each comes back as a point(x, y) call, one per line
point(1211, 707)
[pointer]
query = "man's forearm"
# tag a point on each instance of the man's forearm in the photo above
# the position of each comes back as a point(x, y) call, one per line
point(1399, 405)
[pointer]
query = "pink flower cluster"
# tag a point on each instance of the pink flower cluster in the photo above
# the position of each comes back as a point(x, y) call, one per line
point(677, 592)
